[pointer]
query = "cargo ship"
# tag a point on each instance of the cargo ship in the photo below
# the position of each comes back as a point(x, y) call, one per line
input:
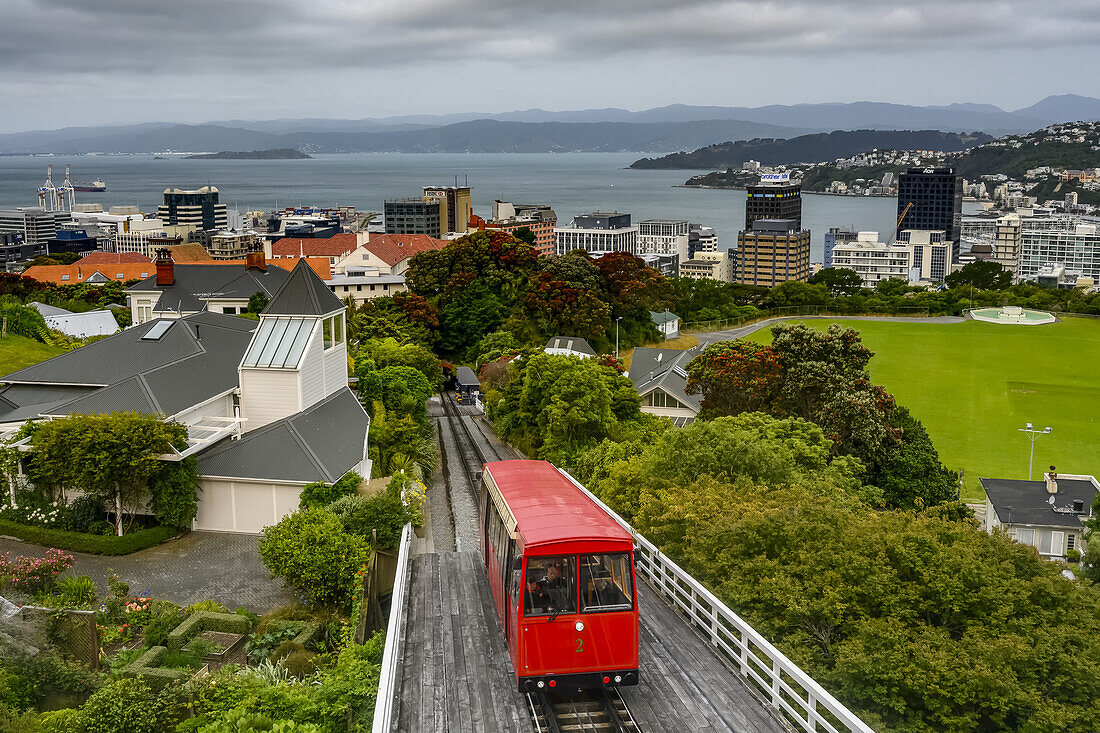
point(96, 186)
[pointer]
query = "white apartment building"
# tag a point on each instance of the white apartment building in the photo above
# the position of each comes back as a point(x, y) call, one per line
point(664, 237)
point(135, 235)
point(707, 239)
point(623, 239)
point(873, 260)
point(1075, 246)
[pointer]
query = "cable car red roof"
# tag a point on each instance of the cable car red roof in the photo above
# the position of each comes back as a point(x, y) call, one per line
point(548, 508)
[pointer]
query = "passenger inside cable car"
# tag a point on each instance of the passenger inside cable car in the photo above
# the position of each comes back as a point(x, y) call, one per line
point(550, 586)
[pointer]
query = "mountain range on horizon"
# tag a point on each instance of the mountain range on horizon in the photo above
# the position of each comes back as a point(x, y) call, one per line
point(657, 130)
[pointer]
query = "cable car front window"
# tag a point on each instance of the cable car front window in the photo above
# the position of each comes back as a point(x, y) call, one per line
point(550, 585)
point(607, 583)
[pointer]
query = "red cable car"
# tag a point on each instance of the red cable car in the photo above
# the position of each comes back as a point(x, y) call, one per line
point(561, 573)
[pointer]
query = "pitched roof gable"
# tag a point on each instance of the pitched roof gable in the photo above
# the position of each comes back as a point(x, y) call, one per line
point(337, 245)
point(393, 248)
point(303, 294)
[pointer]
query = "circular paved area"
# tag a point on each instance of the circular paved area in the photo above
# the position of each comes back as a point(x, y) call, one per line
point(200, 565)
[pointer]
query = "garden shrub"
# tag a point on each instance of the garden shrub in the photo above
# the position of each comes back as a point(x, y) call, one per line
point(243, 721)
point(118, 594)
point(314, 555)
point(155, 668)
point(83, 512)
point(165, 617)
point(77, 590)
point(32, 575)
point(264, 643)
point(25, 682)
point(383, 512)
point(320, 494)
point(300, 663)
point(127, 705)
point(207, 621)
point(93, 544)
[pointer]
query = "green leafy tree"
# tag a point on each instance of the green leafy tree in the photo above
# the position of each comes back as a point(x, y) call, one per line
point(387, 352)
point(115, 457)
point(257, 302)
point(314, 555)
point(468, 315)
point(401, 389)
point(839, 280)
point(981, 274)
point(524, 234)
point(174, 492)
point(493, 346)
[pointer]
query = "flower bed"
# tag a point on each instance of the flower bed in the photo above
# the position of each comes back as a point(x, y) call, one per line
point(89, 543)
point(32, 575)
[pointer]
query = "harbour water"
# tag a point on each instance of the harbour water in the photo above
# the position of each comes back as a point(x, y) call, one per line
point(571, 183)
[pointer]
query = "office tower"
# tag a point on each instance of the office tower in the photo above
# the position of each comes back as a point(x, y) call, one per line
point(775, 250)
point(455, 207)
point(773, 201)
point(413, 216)
point(936, 198)
point(199, 208)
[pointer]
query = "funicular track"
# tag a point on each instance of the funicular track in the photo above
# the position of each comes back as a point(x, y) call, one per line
point(595, 711)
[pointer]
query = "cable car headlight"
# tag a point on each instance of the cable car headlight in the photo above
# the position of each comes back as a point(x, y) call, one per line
point(580, 626)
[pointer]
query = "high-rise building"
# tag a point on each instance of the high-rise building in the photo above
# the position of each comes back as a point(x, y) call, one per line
point(455, 207)
point(835, 236)
point(664, 237)
point(1007, 241)
point(37, 225)
point(931, 253)
point(774, 251)
point(599, 231)
point(199, 208)
point(773, 201)
point(1075, 246)
point(412, 216)
point(936, 198)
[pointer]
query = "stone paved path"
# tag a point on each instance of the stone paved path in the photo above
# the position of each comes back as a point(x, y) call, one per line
point(200, 565)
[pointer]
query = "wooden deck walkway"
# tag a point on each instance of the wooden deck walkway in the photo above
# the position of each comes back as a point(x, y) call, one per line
point(456, 676)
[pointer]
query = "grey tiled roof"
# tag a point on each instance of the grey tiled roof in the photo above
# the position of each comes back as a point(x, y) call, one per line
point(1027, 502)
point(465, 376)
point(571, 343)
point(303, 294)
point(194, 284)
point(321, 443)
point(194, 360)
point(664, 368)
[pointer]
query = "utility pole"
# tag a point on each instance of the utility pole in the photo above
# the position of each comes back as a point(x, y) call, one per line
point(1032, 434)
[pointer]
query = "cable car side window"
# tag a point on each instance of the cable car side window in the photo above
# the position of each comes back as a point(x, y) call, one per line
point(550, 586)
point(607, 583)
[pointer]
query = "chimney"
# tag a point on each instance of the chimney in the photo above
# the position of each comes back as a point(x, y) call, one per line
point(1052, 481)
point(254, 259)
point(1078, 506)
point(166, 268)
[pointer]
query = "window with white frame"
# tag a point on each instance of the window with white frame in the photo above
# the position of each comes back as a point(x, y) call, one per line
point(1025, 536)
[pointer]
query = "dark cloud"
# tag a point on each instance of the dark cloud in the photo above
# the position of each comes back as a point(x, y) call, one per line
point(119, 50)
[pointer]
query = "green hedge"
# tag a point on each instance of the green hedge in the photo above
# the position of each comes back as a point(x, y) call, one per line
point(308, 632)
point(233, 623)
point(156, 677)
point(94, 544)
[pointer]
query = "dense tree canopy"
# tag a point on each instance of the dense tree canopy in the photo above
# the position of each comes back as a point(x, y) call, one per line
point(980, 274)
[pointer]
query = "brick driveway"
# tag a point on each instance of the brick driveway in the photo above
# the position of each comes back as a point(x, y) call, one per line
point(200, 565)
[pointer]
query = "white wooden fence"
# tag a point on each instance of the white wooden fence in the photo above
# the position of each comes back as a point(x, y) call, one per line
point(395, 638)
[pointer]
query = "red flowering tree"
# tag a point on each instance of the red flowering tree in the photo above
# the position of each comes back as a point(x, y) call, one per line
point(559, 308)
point(634, 287)
point(736, 377)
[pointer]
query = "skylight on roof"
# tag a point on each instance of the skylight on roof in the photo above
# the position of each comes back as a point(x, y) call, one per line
point(157, 331)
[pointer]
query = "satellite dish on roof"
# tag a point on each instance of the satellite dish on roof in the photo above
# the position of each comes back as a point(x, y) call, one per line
point(1051, 500)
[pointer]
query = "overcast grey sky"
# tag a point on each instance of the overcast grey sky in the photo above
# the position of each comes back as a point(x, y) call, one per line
point(80, 62)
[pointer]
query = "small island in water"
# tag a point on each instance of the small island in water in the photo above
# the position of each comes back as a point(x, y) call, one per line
point(276, 154)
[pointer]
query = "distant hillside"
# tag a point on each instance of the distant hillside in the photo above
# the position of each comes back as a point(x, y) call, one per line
point(479, 136)
point(812, 148)
point(1014, 162)
point(275, 154)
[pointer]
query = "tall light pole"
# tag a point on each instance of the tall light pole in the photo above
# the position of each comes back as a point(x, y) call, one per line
point(1032, 434)
point(617, 336)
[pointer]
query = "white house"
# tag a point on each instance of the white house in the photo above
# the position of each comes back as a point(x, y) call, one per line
point(667, 323)
point(266, 403)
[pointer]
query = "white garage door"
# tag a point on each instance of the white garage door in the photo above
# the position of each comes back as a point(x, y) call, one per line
point(243, 506)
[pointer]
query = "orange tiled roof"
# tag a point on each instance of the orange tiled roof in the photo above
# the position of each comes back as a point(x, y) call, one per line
point(76, 273)
point(111, 258)
point(189, 253)
point(337, 245)
point(392, 248)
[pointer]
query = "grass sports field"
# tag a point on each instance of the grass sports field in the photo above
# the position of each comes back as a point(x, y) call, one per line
point(973, 384)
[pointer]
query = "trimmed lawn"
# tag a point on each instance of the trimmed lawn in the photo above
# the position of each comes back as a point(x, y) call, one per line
point(974, 384)
point(17, 352)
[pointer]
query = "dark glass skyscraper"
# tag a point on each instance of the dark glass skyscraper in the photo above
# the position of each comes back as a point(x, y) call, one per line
point(783, 201)
point(936, 195)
